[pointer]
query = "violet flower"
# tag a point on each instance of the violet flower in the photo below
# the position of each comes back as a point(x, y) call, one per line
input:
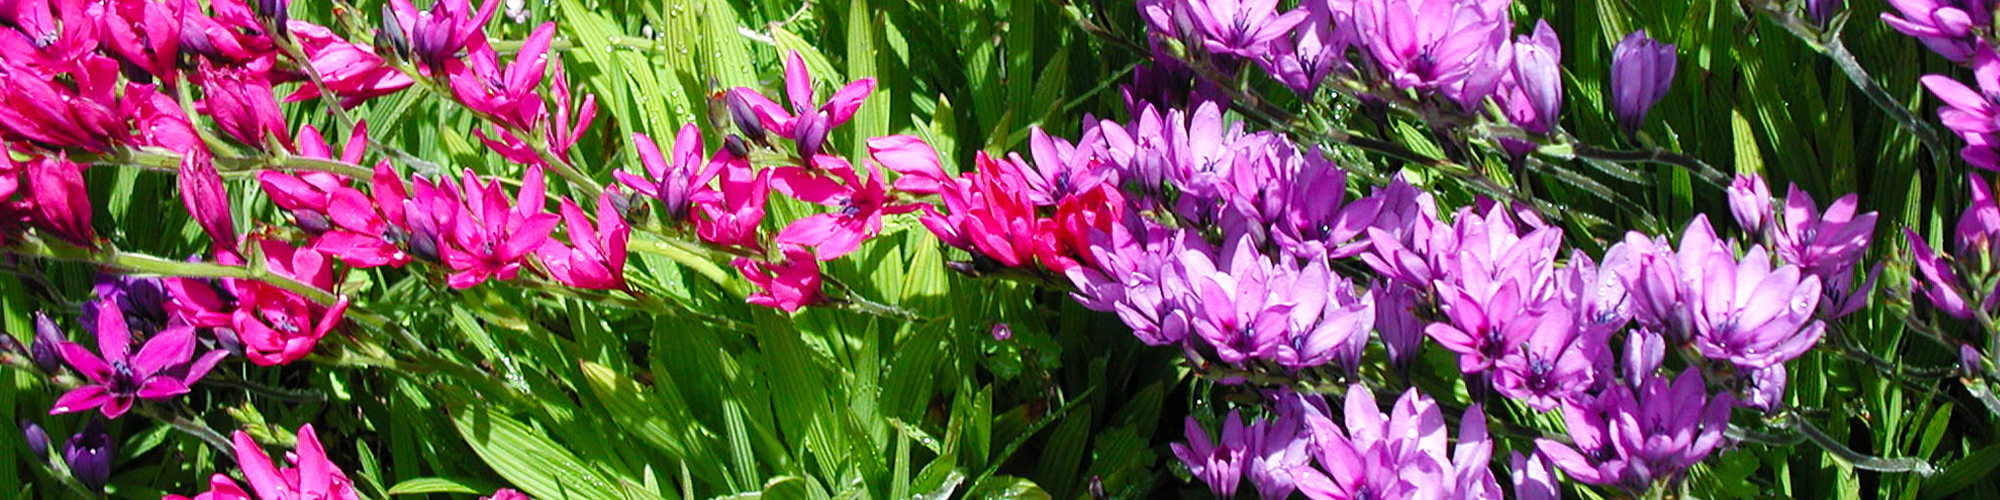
point(439, 34)
point(1431, 44)
point(1316, 49)
point(1240, 310)
point(676, 183)
point(46, 352)
point(1243, 28)
point(36, 439)
point(1642, 70)
point(1533, 478)
point(1062, 170)
point(1631, 438)
point(1946, 26)
point(162, 368)
point(489, 233)
point(1755, 316)
point(1329, 323)
point(1973, 115)
point(1219, 464)
point(143, 300)
point(1531, 95)
point(89, 454)
point(1750, 203)
point(1399, 455)
point(1555, 362)
point(1937, 281)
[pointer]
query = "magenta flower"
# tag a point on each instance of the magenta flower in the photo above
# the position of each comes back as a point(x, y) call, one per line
point(1314, 50)
point(163, 368)
point(1063, 170)
point(364, 237)
point(676, 183)
point(203, 193)
point(308, 196)
point(1399, 455)
point(312, 476)
point(560, 135)
point(65, 98)
point(807, 122)
point(146, 35)
point(506, 96)
point(1220, 464)
point(1750, 203)
point(436, 36)
point(352, 72)
point(489, 234)
point(1937, 281)
point(732, 218)
point(1556, 362)
point(1243, 310)
point(160, 120)
point(276, 325)
point(243, 105)
point(1752, 315)
point(789, 284)
point(987, 212)
point(859, 205)
point(1329, 323)
point(595, 257)
point(1642, 70)
point(1946, 26)
point(919, 172)
point(57, 201)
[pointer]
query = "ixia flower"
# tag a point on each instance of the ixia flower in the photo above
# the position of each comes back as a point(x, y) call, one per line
point(163, 367)
point(1435, 44)
point(678, 182)
point(860, 205)
point(807, 121)
point(89, 454)
point(1243, 28)
point(1973, 114)
point(595, 257)
point(1219, 464)
point(788, 284)
point(352, 72)
point(1946, 26)
point(1632, 437)
point(1402, 454)
point(277, 326)
point(57, 201)
point(206, 199)
point(732, 218)
point(311, 477)
point(489, 234)
point(1752, 315)
point(437, 35)
point(243, 105)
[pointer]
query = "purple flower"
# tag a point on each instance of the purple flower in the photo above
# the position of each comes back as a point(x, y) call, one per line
point(47, 349)
point(1822, 11)
point(1533, 479)
point(1316, 49)
point(1061, 169)
point(1642, 69)
point(1399, 455)
point(1664, 282)
point(1946, 26)
point(1328, 322)
point(88, 455)
point(1828, 246)
point(1555, 362)
point(1277, 448)
point(1750, 203)
point(1535, 91)
point(143, 300)
point(1973, 115)
point(163, 368)
point(1315, 218)
point(1220, 464)
point(1632, 438)
point(1936, 279)
point(36, 439)
point(1238, 310)
point(1432, 44)
point(1755, 316)
point(1243, 28)
point(807, 122)
point(1396, 318)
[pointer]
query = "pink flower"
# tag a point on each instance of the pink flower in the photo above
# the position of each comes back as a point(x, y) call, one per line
point(489, 234)
point(732, 218)
point(243, 105)
point(35, 107)
point(507, 96)
point(308, 195)
point(988, 213)
point(206, 200)
point(159, 120)
point(676, 184)
point(920, 172)
point(57, 200)
point(437, 35)
point(276, 325)
point(596, 258)
point(352, 71)
point(808, 121)
point(861, 205)
point(312, 477)
point(160, 370)
point(787, 285)
point(146, 34)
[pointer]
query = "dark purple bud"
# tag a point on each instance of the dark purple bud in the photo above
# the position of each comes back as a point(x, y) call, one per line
point(1970, 361)
point(746, 119)
point(10, 347)
point(196, 41)
point(422, 240)
point(735, 146)
point(312, 221)
point(275, 14)
point(390, 36)
point(622, 202)
point(36, 439)
point(811, 135)
point(1002, 332)
point(1822, 11)
point(225, 339)
point(1642, 69)
point(89, 456)
point(47, 337)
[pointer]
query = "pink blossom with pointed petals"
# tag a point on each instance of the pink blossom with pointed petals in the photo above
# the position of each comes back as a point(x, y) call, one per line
point(276, 325)
point(914, 161)
point(788, 285)
point(145, 34)
point(162, 368)
point(352, 71)
point(732, 218)
point(800, 95)
point(311, 477)
point(488, 233)
point(677, 183)
point(595, 257)
point(58, 201)
point(859, 205)
point(243, 105)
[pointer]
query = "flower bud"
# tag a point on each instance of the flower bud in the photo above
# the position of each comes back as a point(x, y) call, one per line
point(36, 439)
point(745, 119)
point(1821, 11)
point(1002, 332)
point(45, 350)
point(275, 14)
point(196, 41)
point(1750, 202)
point(10, 347)
point(390, 37)
point(811, 135)
point(431, 41)
point(1642, 69)
point(735, 146)
point(89, 456)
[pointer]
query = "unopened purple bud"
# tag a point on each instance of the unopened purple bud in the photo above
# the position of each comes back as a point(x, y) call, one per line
point(225, 339)
point(1970, 361)
point(1822, 11)
point(275, 14)
point(45, 352)
point(1750, 202)
point(312, 221)
point(89, 456)
point(735, 146)
point(422, 240)
point(811, 134)
point(196, 41)
point(10, 347)
point(622, 202)
point(36, 439)
point(1002, 332)
point(1642, 69)
point(745, 118)
point(390, 36)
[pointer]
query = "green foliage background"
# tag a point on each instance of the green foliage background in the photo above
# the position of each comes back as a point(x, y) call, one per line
point(567, 397)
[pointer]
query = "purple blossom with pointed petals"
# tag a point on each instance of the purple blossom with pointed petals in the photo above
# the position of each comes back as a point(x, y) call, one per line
point(1754, 316)
point(1243, 28)
point(1973, 115)
point(1633, 437)
point(161, 368)
point(1314, 50)
point(807, 121)
point(1533, 478)
point(1642, 70)
point(1555, 362)
point(1219, 464)
point(1329, 322)
point(1433, 44)
point(47, 349)
point(1936, 279)
point(88, 455)
point(1946, 26)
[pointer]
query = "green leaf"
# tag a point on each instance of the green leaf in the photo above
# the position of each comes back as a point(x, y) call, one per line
point(1007, 488)
point(530, 460)
point(424, 485)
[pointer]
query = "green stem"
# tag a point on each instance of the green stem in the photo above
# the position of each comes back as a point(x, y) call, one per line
point(1833, 48)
